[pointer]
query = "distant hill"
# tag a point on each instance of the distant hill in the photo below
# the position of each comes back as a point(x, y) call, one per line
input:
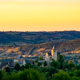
point(67, 46)
point(40, 49)
point(23, 38)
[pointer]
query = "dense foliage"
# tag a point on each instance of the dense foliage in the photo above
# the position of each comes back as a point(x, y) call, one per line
point(57, 70)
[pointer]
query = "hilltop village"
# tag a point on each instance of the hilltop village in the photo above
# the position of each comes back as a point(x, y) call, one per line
point(47, 57)
point(22, 60)
point(50, 66)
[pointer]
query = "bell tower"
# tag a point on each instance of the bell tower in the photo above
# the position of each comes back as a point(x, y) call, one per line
point(54, 53)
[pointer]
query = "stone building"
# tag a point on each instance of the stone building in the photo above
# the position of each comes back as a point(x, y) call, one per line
point(51, 55)
point(21, 60)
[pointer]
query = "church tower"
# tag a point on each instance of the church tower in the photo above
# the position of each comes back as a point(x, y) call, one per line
point(54, 53)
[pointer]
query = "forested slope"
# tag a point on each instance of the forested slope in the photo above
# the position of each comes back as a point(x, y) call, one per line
point(67, 46)
point(37, 37)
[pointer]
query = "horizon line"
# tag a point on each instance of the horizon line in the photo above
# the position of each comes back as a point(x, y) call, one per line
point(40, 31)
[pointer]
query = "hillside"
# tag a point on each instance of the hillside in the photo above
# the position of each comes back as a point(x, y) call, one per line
point(23, 38)
point(67, 46)
point(40, 49)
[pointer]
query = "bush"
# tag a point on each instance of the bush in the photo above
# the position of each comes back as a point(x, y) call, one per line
point(27, 74)
point(55, 64)
point(17, 66)
point(1, 75)
point(61, 76)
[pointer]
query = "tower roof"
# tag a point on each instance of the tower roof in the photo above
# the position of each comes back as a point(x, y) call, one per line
point(53, 47)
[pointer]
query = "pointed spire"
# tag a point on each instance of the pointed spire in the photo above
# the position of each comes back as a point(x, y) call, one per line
point(53, 47)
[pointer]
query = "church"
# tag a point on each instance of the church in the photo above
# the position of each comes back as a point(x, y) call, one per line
point(51, 55)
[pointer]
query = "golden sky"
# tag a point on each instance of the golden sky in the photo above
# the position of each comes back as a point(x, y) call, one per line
point(39, 15)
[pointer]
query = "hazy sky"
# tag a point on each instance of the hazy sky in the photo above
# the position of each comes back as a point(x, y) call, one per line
point(39, 15)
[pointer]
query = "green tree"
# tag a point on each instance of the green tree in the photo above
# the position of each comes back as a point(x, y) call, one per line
point(7, 69)
point(46, 75)
point(40, 58)
point(36, 60)
point(11, 76)
point(17, 66)
point(71, 74)
point(75, 78)
point(77, 73)
point(70, 62)
point(28, 65)
point(1, 75)
point(27, 74)
point(22, 67)
point(39, 64)
point(78, 66)
point(71, 65)
point(65, 66)
point(55, 64)
point(45, 63)
point(60, 58)
point(61, 76)
point(52, 70)
point(30, 74)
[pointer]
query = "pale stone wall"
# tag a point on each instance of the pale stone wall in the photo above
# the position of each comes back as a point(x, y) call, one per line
point(15, 60)
point(47, 57)
point(55, 55)
point(24, 62)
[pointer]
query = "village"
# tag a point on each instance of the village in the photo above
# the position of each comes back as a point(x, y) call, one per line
point(22, 60)
point(48, 57)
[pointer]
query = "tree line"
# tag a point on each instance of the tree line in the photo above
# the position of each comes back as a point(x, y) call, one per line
point(57, 70)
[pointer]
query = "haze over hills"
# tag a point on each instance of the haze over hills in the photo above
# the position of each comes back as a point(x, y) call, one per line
point(37, 49)
point(62, 47)
point(64, 42)
point(23, 38)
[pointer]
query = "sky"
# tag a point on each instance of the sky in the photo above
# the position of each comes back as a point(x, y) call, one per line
point(39, 15)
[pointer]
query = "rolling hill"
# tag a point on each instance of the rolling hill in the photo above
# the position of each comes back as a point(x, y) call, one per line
point(40, 49)
point(23, 38)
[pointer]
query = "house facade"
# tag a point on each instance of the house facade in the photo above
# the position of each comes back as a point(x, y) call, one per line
point(20, 59)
